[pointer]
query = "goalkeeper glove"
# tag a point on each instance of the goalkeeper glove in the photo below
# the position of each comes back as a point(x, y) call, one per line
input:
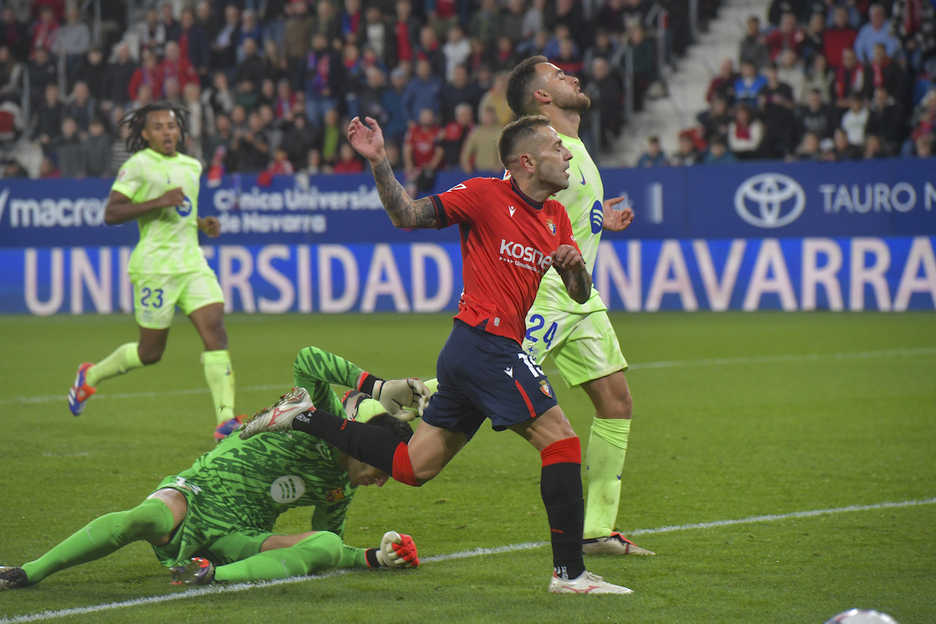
point(397, 394)
point(397, 551)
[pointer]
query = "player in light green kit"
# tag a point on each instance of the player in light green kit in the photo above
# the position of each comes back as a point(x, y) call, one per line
point(215, 521)
point(580, 337)
point(158, 187)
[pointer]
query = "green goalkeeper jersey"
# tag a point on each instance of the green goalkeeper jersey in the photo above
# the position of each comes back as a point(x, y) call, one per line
point(168, 236)
point(258, 479)
point(583, 202)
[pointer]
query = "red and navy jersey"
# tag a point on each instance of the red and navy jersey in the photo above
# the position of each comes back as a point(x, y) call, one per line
point(506, 241)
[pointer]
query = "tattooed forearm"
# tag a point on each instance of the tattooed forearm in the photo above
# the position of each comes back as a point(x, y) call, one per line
point(403, 210)
point(578, 284)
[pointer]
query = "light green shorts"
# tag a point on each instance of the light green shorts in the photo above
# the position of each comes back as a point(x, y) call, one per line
point(156, 296)
point(584, 346)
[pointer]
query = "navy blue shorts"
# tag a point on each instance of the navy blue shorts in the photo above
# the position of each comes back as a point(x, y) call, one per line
point(482, 375)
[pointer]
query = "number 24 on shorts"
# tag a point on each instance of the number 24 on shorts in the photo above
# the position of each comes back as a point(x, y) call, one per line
point(156, 294)
point(536, 323)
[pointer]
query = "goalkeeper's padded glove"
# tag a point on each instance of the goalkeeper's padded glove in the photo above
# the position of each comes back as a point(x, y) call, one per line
point(397, 551)
point(432, 385)
point(397, 394)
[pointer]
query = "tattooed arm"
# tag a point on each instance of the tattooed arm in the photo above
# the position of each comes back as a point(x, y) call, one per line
point(403, 210)
point(571, 267)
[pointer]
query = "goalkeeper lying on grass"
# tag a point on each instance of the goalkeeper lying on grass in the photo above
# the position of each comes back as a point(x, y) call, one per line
point(214, 521)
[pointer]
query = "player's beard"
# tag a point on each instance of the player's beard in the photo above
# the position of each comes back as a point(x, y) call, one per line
point(575, 102)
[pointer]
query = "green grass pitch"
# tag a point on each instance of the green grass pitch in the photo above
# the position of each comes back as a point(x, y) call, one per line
point(736, 416)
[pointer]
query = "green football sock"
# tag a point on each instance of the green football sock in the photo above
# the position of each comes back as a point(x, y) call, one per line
point(220, 378)
point(316, 553)
point(102, 536)
point(124, 359)
point(604, 461)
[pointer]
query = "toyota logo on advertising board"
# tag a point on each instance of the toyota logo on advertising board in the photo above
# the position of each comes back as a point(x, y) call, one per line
point(770, 200)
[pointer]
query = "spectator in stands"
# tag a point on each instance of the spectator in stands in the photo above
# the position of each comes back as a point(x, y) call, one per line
point(644, 62)
point(11, 73)
point(352, 21)
point(653, 156)
point(144, 97)
point(914, 22)
point(147, 74)
point(151, 34)
point(219, 96)
point(813, 42)
point(322, 80)
point(687, 155)
point(484, 24)
point(718, 153)
point(299, 138)
point(249, 29)
point(775, 102)
point(394, 105)
point(748, 85)
point(314, 164)
point(92, 70)
point(503, 58)
point(68, 150)
point(753, 47)
point(850, 80)
point(496, 99)
point(47, 169)
point(839, 37)
point(220, 142)
point(923, 146)
point(95, 149)
point(816, 117)
point(808, 149)
point(534, 19)
point(459, 91)
point(13, 35)
point(456, 50)
point(877, 30)
point(275, 65)
point(200, 121)
point(478, 58)
point(607, 95)
point(379, 35)
point(81, 107)
point(820, 78)
point(430, 50)
point(788, 36)
point(174, 65)
point(604, 47)
point(883, 73)
point(40, 71)
point(73, 40)
point(855, 120)
point(251, 66)
point(117, 77)
point(172, 93)
point(790, 71)
point(297, 35)
point(511, 19)
point(873, 148)
point(332, 135)
point(745, 134)
point(570, 14)
point(454, 134)
point(722, 85)
point(405, 33)
point(327, 22)
point(280, 165)
point(170, 25)
point(49, 119)
point(886, 121)
point(224, 46)
point(193, 44)
point(480, 150)
point(422, 150)
point(923, 122)
point(423, 91)
point(348, 160)
point(44, 31)
point(251, 146)
point(715, 121)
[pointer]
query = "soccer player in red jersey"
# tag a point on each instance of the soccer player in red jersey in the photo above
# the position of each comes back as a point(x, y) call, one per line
point(511, 235)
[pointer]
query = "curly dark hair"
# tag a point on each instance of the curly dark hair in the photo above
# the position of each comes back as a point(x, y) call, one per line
point(136, 120)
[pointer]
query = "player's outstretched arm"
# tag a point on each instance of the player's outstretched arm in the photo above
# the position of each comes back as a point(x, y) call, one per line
point(571, 267)
point(404, 212)
point(120, 208)
point(615, 220)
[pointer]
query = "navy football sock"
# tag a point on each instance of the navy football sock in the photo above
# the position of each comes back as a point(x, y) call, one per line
point(367, 443)
point(561, 489)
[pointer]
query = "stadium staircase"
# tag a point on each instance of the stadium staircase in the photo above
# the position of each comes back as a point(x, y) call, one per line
point(685, 86)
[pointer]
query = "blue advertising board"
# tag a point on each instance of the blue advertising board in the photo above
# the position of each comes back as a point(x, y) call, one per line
point(848, 236)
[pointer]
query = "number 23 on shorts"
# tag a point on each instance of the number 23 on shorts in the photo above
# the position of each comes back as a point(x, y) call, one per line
point(537, 322)
point(151, 297)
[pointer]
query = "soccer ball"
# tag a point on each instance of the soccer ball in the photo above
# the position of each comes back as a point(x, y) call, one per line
point(862, 616)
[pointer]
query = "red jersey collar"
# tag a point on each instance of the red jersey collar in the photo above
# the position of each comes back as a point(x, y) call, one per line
point(530, 202)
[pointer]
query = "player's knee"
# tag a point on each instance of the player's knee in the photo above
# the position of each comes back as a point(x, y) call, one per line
point(150, 356)
point(326, 549)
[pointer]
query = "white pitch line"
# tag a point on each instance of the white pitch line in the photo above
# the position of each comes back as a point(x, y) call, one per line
point(466, 554)
point(763, 359)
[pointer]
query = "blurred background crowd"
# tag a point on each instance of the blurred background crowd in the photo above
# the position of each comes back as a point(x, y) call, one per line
point(270, 84)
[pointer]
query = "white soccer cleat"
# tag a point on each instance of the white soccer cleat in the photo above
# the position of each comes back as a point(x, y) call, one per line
point(586, 583)
point(280, 415)
point(614, 544)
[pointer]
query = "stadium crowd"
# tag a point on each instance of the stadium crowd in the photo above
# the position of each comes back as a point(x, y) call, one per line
point(824, 81)
point(271, 84)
